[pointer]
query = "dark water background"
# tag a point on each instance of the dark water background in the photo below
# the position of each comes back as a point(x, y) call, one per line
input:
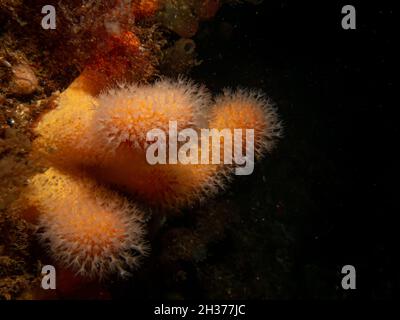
point(332, 87)
point(322, 199)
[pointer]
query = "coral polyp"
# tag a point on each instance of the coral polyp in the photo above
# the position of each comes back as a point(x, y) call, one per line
point(86, 227)
point(128, 113)
point(246, 109)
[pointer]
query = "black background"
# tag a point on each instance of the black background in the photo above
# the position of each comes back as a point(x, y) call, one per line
point(333, 89)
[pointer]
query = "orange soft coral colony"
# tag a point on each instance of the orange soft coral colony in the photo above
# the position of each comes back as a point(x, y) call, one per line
point(246, 109)
point(75, 106)
point(86, 227)
point(60, 130)
point(120, 127)
point(107, 136)
point(127, 114)
point(110, 139)
point(163, 186)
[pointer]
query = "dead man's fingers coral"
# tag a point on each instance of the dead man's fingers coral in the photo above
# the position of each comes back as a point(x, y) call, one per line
point(121, 125)
point(247, 109)
point(128, 113)
point(87, 228)
point(60, 130)
point(111, 138)
point(164, 186)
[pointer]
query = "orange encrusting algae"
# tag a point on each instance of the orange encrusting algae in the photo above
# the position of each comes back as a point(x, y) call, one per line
point(121, 59)
point(86, 227)
point(145, 8)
